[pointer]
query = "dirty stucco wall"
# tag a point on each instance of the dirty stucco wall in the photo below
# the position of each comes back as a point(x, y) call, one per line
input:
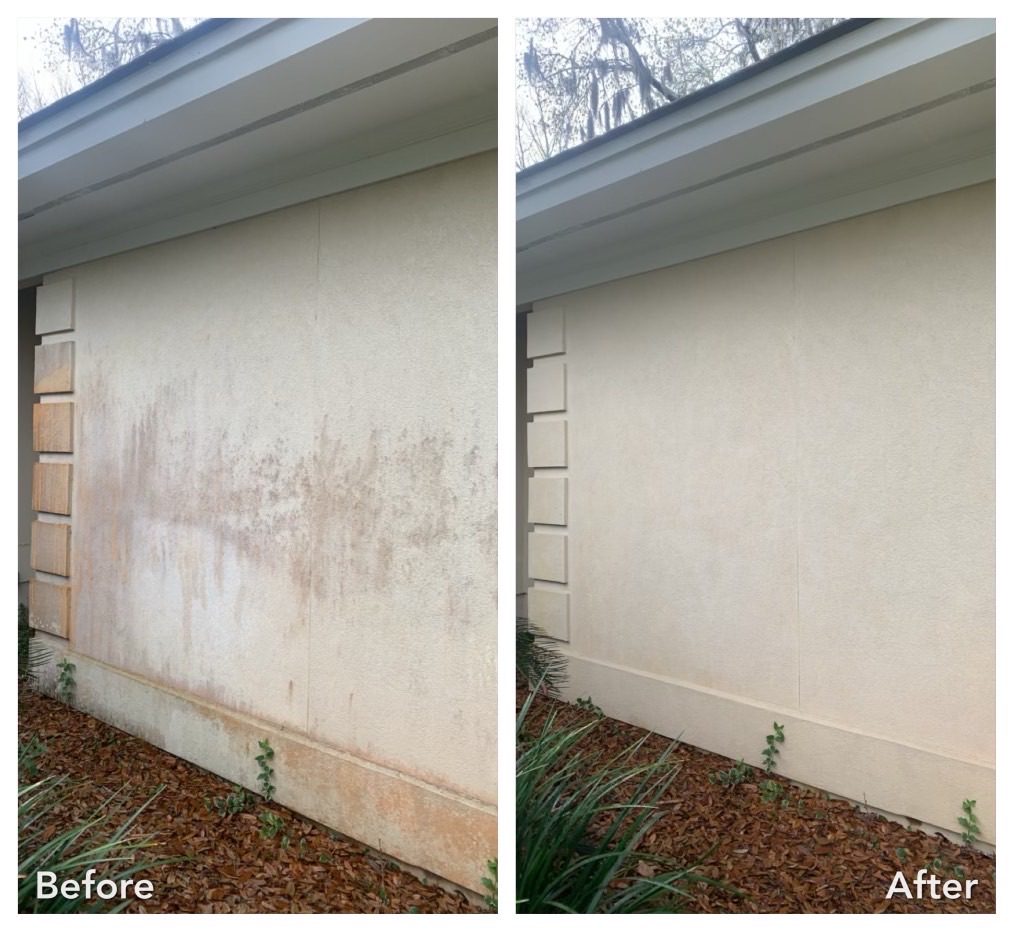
point(780, 502)
point(285, 487)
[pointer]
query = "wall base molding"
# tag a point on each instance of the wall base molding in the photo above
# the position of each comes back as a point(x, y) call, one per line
point(425, 826)
point(906, 782)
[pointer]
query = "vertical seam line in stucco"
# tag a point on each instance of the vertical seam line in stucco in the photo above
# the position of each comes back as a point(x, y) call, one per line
point(318, 260)
point(796, 476)
point(312, 510)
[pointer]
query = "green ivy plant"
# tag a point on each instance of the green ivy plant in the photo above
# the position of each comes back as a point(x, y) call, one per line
point(970, 823)
point(771, 750)
point(65, 682)
point(490, 883)
point(770, 790)
point(266, 772)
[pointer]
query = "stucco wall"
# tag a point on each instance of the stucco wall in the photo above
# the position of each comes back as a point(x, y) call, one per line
point(285, 480)
point(779, 468)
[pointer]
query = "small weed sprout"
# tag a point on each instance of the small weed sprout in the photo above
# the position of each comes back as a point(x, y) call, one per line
point(264, 762)
point(970, 823)
point(28, 755)
point(902, 855)
point(226, 806)
point(733, 776)
point(769, 791)
point(271, 825)
point(490, 883)
point(771, 751)
point(65, 682)
point(589, 706)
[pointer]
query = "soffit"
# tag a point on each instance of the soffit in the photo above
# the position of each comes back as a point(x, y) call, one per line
point(890, 112)
point(253, 117)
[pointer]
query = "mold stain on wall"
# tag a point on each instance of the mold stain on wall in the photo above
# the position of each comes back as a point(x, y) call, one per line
point(192, 520)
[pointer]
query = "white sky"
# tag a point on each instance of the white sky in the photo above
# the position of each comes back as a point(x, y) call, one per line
point(36, 35)
point(29, 59)
point(31, 41)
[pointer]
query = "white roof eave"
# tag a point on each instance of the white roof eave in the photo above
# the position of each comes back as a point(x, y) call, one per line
point(598, 215)
point(258, 115)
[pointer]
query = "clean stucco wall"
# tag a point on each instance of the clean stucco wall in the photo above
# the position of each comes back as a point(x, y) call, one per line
point(285, 488)
point(779, 468)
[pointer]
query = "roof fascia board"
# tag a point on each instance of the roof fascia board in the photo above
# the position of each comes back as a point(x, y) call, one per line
point(216, 60)
point(449, 146)
point(878, 49)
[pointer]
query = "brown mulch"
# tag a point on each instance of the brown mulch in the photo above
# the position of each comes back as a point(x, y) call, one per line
point(812, 855)
point(230, 868)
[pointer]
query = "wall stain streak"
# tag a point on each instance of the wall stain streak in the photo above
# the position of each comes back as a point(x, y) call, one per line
point(197, 515)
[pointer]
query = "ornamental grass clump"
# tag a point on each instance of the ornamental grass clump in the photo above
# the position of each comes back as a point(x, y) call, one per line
point(580, 820)
point(538, 660)
point(94, 843)
point(33, 655)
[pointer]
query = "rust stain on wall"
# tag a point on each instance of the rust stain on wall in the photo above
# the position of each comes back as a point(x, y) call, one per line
point(167, 499)
point(201, 514)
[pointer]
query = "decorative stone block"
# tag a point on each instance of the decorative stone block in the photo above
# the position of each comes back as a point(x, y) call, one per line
point(53, 427)
point(549, 609)
point(547, 501)
point(547, 556)
point(547, 387)
point(51, 547)
point(51, 487)
point(54, 367)
point(49, 607)
point(54, 307)
point(547, 444)
point(545, 332)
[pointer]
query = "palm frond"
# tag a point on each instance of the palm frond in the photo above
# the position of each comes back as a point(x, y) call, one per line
point(32, 653)
point(538, 660)
point(580, 821)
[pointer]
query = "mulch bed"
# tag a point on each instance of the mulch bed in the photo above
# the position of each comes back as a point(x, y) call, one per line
point(231, 869)
point(815, 855)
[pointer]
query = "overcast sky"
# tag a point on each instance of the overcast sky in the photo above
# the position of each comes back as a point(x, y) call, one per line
point(36, 37)
point(30, 58)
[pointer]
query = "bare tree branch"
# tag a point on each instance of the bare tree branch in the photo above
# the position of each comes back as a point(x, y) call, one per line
point(578, 78)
